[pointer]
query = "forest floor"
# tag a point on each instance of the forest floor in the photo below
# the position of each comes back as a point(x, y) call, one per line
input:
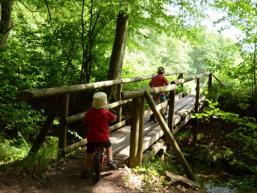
point(64, 176)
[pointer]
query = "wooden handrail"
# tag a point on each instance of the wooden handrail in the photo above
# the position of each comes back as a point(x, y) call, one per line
point(79, 116)
point(46, 92)
point(83, 142)
point(154, 90)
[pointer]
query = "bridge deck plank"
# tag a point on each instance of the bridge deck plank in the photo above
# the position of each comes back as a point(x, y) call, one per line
point(152, 131)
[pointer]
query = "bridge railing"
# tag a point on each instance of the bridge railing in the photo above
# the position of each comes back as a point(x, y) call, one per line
point(60, 106)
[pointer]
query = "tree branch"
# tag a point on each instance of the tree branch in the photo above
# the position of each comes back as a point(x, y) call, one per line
point(49, 13)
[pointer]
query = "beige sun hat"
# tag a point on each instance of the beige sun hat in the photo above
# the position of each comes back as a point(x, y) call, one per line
point(100, 100)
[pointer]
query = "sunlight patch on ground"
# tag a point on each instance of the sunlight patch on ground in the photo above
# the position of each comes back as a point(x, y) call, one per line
point(131, 180)
point(213, 188)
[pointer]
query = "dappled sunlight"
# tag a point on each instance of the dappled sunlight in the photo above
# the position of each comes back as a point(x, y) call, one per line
point(132, 180)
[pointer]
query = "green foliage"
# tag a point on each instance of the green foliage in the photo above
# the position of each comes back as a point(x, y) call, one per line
point(213, 111)
point(20, 118)
point(152, 174)
point(231, 98)
point(155, 167)
point(245, 134)
point(44, 157)
point(12, 150)
point(17, 149)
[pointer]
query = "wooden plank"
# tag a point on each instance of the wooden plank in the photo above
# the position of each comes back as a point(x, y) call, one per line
point(149, 139)
point(120, 138)
point(152, 131)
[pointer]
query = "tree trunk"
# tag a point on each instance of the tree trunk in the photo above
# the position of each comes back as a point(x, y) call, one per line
point(88, 36)
point(5, 22)
point(254, 69)
point(118, 49)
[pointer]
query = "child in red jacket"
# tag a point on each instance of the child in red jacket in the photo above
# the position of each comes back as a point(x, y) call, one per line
point(98, 119)
point(157, 81)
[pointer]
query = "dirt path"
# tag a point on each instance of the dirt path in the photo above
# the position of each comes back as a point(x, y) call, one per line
point(62, 178)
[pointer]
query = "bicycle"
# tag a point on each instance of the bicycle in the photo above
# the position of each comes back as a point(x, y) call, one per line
point(98, 163)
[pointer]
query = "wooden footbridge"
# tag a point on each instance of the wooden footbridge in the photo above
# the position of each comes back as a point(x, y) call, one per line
point(129, 138)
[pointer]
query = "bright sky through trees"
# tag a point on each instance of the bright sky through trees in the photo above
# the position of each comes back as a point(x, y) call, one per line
point(214, 22)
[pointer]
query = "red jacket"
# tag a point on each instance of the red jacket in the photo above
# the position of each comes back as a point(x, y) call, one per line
point(98, 121)
point(158, 80)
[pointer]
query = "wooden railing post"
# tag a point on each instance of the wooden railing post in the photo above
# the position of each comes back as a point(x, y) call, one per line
point(169, 135)
point(171, 103)
point(134, 133)
point(118, 97)
point(181, 76)
point(197, 96)
point(210, 83)
point(63, 124)
point(141, 130)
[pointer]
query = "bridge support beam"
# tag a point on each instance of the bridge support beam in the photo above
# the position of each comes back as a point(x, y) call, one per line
point(137, 133)
point(134, 134)
point(141, 130)
point(197, 96)
point(45, 128)
point(210, 82)
point(170, 136)
point(62, 130)
point(171, 104)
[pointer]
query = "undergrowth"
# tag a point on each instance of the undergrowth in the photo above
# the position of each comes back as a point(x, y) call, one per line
point(149, 177)
point(15, 154)
point(244, 136)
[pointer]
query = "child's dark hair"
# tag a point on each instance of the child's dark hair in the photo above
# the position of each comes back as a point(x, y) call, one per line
point(160, 70)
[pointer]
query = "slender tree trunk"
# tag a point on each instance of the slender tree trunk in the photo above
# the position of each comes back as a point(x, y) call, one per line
point(254, 68)
point(5, 21)
point(118, 49)
point(88, 38)
point(82, 71)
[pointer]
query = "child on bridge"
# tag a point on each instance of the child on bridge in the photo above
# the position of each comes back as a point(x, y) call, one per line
point(157, 81)
point(97, 120)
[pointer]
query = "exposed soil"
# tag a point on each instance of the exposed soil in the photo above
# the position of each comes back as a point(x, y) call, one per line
point(61, 178)
point(64, 177)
